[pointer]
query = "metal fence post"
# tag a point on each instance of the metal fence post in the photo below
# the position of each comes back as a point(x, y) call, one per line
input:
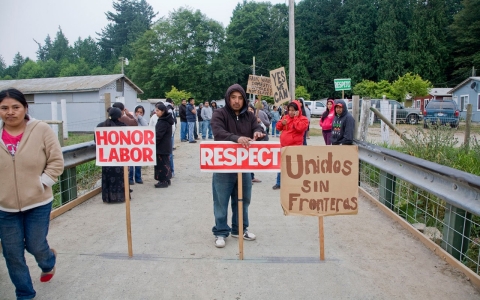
point(387, 189)
point(456, 231)
point(68, 185)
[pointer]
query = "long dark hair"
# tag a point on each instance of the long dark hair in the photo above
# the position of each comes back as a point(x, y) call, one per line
point(327, 111)
point(17, 95)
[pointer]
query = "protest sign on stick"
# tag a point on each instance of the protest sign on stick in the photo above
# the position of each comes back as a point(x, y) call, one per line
point(229, 157)
point(319, 181)
point(123, 147)
point(280, 92)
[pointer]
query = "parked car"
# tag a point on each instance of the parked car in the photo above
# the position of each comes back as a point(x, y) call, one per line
point(317, 108)
point(441, 112)
point(408, 115)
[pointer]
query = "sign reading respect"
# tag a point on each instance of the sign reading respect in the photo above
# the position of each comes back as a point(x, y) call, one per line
point(230, 157)
point(319, 180)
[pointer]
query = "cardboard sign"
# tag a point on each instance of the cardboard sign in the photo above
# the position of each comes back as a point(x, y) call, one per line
point(259, 85)
point(279, 86)
point(125, 146)
point(229, 157)
point(319, 180)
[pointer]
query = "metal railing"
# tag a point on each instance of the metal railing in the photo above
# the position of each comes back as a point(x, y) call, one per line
point(441, 202)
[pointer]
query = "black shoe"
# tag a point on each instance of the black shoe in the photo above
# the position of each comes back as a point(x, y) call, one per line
point(161, 184)
point(184, 140)
point(192, 141)
point(131, 182)
point(139, 182)
point(276, 187)
point(169, 182)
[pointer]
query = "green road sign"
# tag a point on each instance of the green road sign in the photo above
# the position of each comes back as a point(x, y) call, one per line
point(343, 84)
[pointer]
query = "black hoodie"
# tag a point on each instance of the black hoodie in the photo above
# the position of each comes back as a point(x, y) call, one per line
point(343, 126)
point(163, 134)
point(227, 126)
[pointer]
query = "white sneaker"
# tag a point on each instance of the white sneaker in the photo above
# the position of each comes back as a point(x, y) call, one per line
point(219, 241)
point(246, 236)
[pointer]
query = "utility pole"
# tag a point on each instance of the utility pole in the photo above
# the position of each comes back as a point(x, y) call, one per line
point(253, 71)
point(291, 47)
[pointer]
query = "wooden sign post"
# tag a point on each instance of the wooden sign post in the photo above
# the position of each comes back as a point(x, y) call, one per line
point(229, 157)
point(319, 181)
point(123, 147)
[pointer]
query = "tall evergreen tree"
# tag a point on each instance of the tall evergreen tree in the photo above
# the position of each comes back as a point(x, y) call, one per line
point(466, 31)
point(88, 50)
point(427, 40)
point(358, 39)
point(391, 38)
point(129, 21)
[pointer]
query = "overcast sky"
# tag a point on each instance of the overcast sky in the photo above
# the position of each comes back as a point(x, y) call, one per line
point(25, 20)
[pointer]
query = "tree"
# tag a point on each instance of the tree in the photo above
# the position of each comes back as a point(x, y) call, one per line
point(3, 66)
point(177, 95)
point(31, 69)
point(466, 30)
point(182, 51)
point(390, 51)
point(410, 86)
point(301, 92)
point(18, 62)
point(374, 90)
point(428, 52)
point(129, 21)
point(60, 49)
point(88, 50)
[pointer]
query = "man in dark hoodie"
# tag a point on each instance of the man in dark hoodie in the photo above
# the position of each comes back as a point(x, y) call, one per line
point(182, 111)
point(233, 123)
point(343, 125)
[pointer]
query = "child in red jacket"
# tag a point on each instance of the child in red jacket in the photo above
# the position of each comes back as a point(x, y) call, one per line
point(292, 126)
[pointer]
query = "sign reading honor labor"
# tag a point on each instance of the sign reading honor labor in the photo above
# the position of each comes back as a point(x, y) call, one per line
point(125, 146)
point(319, 180)
point(230, 157)
point(259, 85)
point(279, 86)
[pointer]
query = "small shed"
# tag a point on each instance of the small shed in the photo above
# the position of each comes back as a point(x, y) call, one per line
point(85, 97)
point(468, 92)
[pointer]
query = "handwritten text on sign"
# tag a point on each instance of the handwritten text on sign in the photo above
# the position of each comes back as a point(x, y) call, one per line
point(259, 85)
point(229, 157)
point(319, 180)
point(279, 86)
point(125, 146)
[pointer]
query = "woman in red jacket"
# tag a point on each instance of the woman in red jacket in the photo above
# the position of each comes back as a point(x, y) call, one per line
point(292, 126)
point(326, 121)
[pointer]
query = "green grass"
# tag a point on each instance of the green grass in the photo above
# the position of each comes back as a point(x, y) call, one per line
point(77, 138)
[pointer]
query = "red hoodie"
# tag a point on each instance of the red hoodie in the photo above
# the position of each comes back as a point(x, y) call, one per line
point(293, 131)
point(326, 123)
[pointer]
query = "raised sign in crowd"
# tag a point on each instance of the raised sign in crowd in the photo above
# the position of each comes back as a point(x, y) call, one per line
point(311, 180)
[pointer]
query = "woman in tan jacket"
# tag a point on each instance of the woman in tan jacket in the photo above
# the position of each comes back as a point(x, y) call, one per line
point(30, 161)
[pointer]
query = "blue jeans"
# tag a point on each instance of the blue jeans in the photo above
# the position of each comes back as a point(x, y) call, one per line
point(183, 130)
point(171, 159)
point(224, 188)
point(278, 179)
point(274, 128)
point(138, 173)
point(206, 126)
point(200, 128)
point(26, 230)
point(191, 129)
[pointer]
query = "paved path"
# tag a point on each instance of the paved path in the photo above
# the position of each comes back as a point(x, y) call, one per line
point(368, 256)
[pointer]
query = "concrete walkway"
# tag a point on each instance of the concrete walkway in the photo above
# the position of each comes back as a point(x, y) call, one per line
point(368, 256)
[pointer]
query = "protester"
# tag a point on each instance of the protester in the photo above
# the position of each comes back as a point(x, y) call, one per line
point(113, 185)
point(308, 114)
point(233, 123)
point(171, 109)
point(199, 119)
point(266, 109)
point(326, 121)
point(163, 144)
point(207, 116)
point(31, 159)
point(252, 109)
point(214, 105)
point(302, 109)
point(126, 118)
point(343, 125)
point(293, 127)
point(135, 172)
point(275, 119)
point(182, 111)
point(191, 119)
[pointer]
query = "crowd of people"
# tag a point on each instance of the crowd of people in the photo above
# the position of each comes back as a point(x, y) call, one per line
point(27, 210)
